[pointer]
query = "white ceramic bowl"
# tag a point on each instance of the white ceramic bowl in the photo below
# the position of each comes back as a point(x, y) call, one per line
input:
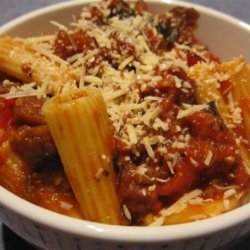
point(227, 37)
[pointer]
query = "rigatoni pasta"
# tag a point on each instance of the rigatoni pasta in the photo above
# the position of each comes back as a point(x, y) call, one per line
point(226, 85)
point(23, 62)
point(80, 127)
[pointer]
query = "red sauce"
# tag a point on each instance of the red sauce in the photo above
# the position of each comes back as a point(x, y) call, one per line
point(68, 45)
point(193, 59)
point(225, 88)
point(6, 116)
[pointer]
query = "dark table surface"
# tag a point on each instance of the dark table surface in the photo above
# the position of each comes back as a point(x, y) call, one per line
point(10, 9)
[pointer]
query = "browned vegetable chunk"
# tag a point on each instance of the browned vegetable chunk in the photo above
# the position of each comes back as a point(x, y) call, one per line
point(33, 143)
point(27, 110)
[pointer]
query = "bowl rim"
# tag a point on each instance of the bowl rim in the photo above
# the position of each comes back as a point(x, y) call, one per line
point(132, 234)
point(135, 234)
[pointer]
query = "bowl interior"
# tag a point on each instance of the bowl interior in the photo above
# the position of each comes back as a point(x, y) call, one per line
point(226, 37)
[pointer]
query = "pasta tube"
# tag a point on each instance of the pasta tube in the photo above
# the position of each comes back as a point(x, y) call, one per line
point(13, 170)
point(23, 62)
point(80, 128)
point(239, 72)
point(234, 104)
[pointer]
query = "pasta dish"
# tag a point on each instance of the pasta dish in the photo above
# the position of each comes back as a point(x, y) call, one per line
point(124, 117)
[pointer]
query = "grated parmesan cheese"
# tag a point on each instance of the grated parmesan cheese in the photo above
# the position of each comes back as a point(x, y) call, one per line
point(176, 207)
point(66, 205)
point(126, 212)
point(208, 158)
point(99, 173)
point(59, 25)
point(191, 110)
point(228, 193)
point(148, 147)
